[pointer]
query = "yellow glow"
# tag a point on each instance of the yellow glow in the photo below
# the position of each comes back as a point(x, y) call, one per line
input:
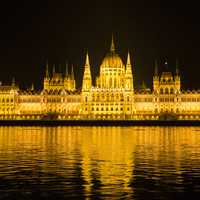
point(98, 149)
point(112, 97)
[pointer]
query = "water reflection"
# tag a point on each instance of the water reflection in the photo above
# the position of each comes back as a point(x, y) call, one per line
point(103, 162)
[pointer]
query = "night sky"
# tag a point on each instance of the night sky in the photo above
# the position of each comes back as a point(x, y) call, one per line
point(33, 31)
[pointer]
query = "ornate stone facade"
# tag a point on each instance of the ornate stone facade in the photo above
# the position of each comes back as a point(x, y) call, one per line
point(113, 96)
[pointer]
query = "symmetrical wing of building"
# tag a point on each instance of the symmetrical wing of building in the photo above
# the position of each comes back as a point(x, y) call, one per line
point(111, 97)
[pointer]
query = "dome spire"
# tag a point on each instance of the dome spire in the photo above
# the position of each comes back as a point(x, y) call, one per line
point(112, 47)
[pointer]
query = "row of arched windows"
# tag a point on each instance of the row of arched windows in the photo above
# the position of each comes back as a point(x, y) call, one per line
point(166, 91)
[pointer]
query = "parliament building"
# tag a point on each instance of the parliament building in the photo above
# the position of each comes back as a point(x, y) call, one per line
point(112, 97)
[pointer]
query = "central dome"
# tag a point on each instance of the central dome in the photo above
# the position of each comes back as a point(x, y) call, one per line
point(112, 59)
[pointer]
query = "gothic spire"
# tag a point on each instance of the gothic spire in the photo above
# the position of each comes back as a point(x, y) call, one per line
point(47, 69)
point(72, 72)
point(129, 74)
point(87, 80)
point(128, 59)
point(87, 63)
point(177, 67)
point(54, 69)
point(32, 87)
point(112, 47)
point(13, 81)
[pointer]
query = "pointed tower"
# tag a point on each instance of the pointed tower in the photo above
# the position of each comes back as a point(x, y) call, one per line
point(177, 78)
point(72, 72)
point(112, 46)
point(156, 78)
point(87, 79)
point(54, 69)
point(13, 81)
point(47, 77)
point(47, 70)
point(32, 87)
point(66, 79)
point(129, 74)
point(73, 83)
point(66, 70)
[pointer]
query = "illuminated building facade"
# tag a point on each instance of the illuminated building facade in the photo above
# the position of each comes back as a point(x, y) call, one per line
point(113, 96)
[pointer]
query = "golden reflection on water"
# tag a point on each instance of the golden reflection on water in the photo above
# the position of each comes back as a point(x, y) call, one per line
point(109, 157)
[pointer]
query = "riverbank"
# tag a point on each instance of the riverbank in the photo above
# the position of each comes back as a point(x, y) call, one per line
point(99, 123)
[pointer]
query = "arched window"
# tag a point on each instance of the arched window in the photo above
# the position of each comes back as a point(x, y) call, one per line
point(161, 91)
point(171, 91)
point(166, 91)
point(110, 83)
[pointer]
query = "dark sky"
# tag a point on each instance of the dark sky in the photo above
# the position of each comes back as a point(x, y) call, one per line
point(34, 31)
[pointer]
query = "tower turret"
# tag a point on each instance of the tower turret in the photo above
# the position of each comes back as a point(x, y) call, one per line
point(47, 70)
point(47, 77)
point(87, 80)
point(177, 78)
point(73, 83)
point(54, 69)
point(66, 70)
point(32, 87)
point(69, 81)
point(156, 78)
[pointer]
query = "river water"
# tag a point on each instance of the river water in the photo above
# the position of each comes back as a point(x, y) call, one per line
point(99, 162)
